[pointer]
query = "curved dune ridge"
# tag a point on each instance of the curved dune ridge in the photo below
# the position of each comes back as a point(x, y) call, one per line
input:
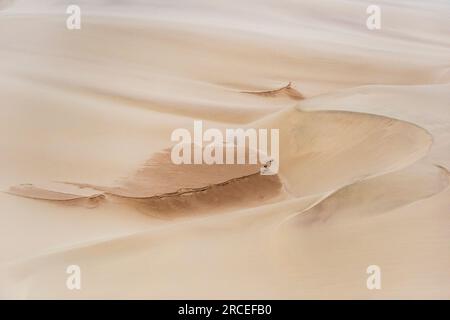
point(308, 152)
point(355, 203)
point(54, 191)
point(376, 195)
point(164, 186)
point(367, 212)
point(287, 90)
point(86, 122)
point(159, 177)
point(60, 193)
point(341, 147)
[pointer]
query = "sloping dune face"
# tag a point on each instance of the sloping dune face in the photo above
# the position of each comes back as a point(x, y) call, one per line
point(85, 150)
point(395, 189)
point(329, 149)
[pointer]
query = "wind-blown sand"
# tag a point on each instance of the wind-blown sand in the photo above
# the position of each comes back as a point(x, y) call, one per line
point(86, 119)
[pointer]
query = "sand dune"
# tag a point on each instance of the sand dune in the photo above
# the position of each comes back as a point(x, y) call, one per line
point(376, 195)
point(395, 218)
point(87, 116)
point(54, 191)
point(285, 90)
point(164, 189)
point(342, 147)
point(309, 153)
point(424, 105)
point(60, 193)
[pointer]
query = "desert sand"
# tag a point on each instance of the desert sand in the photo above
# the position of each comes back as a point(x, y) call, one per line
point(87, 115)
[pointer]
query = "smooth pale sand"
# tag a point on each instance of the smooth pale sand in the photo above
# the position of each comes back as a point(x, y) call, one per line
point(86, 116)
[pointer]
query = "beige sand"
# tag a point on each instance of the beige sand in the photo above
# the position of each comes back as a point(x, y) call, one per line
point(86, 117)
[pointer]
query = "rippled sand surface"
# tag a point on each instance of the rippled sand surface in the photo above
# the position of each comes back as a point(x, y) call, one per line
point(86, 119)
